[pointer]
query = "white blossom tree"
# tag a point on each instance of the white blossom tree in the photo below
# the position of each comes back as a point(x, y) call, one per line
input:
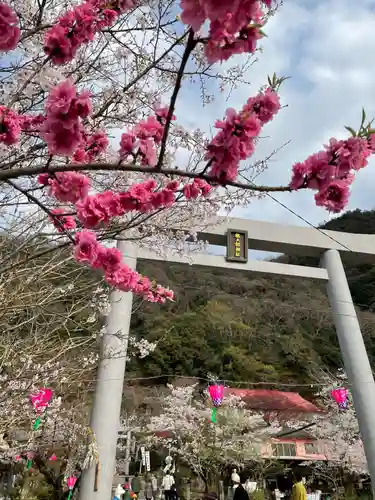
point(51, 323)
point(185, 427)
point(339, 428)
point(337, 431)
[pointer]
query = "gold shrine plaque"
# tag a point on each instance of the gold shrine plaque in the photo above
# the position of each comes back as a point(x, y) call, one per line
point(237, 246)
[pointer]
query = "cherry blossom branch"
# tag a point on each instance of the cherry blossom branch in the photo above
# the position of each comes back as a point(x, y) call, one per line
point(191, 43)
point(34, 31)
point(145, 28)
point(52, 169)
point(37, 202)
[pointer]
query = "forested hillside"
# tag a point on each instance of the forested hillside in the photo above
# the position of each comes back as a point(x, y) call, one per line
point(251, 328)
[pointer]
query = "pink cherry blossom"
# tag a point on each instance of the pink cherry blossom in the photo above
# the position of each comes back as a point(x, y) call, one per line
point(371, 143)
point(63, 130)
point(142, 192)
point(61, 140)
point(331, 171)
point(234, 26)
point(86, 247)
point(10, 126)
point(204, 187)
point(66, 186)
point(61, 99)
point(266, 105)
point(109, 259)
point(142, 141)
point(335, 196)
point(62, 222)
point(91, 147)
point(127, 144)
point(9, 31)
point(192, 13)
point(83, 105)
point(196, 188)
point(147, 151)
point(99, 208)
point(162, 113)
point(79, 25)
point(235, 140)
point(31, 123)
point(117, 274)
point(173, 185)
point(222, 44)
point(233, 143)
point(149, 128)
point(350, 154)
point(123, 278)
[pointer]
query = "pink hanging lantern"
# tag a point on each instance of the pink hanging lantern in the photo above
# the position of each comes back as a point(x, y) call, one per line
point(216, 391)
point(40, 402)
point(30, 457)
point(71, 481)
point(340, 395)
point(41, 399)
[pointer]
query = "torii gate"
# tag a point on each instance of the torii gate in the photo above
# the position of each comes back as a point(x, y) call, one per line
point(239, 235)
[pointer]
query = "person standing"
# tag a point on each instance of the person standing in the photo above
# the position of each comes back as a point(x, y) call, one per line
point(174, 492)
point(127, 489)
point(168, 482)
point(154, 483)
point(148, 489)
point(240, 492)
point(136, 484)
point(299, 490)
point(119, 492)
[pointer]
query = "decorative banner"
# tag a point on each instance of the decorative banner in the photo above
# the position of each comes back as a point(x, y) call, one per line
point(216, 391)
point(71, 481)
point(143, 455)
point(340, 395)
point(147, 459)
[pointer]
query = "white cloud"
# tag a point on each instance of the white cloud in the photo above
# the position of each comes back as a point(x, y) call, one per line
point(327, 49)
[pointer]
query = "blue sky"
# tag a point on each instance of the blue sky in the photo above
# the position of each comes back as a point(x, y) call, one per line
point(327, 48)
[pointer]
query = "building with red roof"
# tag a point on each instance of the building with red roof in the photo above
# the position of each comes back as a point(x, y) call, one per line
point(296, 445)
point(273, 401)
